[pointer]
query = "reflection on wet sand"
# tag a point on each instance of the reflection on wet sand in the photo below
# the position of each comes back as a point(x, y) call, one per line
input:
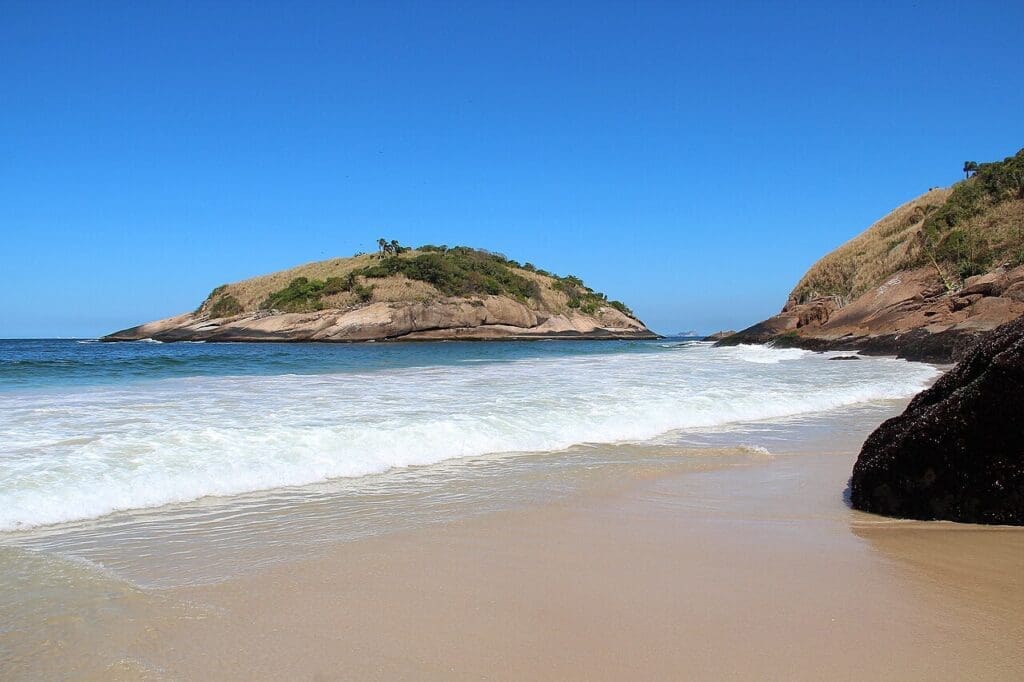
point(966, 572)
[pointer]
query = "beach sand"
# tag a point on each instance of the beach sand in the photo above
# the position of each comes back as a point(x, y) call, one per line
point(740, 572)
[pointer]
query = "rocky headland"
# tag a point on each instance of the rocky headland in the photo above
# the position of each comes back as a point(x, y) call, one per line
point(925, 282)
point(430, 293)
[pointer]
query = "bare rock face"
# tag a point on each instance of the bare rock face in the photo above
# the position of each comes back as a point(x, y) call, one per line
point(469, 318)
point(911, 315)
point(957, 452)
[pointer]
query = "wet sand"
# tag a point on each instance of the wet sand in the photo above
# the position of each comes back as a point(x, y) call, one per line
point(743, 572)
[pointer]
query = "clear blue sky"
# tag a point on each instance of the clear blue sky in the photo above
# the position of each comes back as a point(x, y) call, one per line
point(690, 159)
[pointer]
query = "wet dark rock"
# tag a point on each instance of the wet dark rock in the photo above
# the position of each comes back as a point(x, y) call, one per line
point(919, 345)
point(957, 452)
point(845, 357)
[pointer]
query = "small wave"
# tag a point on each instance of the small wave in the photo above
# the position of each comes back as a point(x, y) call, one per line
point(70, 456)
point(765, 355)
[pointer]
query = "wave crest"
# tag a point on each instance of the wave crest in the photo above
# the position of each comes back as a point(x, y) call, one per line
point(70, 456)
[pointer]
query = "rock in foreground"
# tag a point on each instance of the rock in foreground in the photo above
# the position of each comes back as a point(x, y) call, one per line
point(957, 452)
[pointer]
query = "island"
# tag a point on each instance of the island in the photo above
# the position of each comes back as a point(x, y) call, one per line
point(399, 293)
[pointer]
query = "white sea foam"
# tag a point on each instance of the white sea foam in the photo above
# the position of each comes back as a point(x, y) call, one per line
point(74, 455)
point(765, 355)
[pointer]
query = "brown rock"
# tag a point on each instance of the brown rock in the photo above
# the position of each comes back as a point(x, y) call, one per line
point(479, 318)
point(1015, 275)
point(990, 284)
point(961, 301)
point(996, 308)
point(1015, 292)
point(903, 316)
point(815, 312)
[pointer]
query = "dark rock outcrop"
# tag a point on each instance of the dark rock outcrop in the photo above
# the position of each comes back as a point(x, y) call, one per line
point(957, 452)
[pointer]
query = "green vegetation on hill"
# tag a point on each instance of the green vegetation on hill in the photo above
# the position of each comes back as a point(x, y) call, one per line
point(969, 229)
point(459, 271)
point(304, 295)
point(225, 306)
point(451, 271)
point(221, 304)
point(584, 298)
point(949, 238)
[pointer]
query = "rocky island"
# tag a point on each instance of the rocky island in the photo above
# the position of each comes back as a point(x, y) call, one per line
point(428, 293)
point(925, 282)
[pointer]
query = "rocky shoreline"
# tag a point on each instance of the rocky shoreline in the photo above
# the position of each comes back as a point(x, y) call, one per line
point(489, 318)
point(940, 348)
point(911, 316)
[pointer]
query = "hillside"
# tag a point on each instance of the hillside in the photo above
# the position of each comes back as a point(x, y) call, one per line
point(433, 292)
point(924, 281)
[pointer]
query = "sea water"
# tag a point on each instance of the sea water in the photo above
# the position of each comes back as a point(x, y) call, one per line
point(88, 429)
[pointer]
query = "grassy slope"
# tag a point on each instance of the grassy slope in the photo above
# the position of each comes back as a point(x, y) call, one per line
point(968, 229)
point(250, 295)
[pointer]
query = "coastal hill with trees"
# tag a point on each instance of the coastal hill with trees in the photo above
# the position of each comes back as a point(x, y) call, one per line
point(429, 292)
point(923, 282)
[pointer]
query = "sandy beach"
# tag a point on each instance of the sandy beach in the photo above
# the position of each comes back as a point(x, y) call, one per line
point(511, 341)
point(742, 572)
point(712, 552)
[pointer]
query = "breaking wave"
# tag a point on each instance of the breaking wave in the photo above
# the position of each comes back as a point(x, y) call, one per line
point(71, 455)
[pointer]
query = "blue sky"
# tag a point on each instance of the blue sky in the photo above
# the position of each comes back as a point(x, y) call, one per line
point(690, 159)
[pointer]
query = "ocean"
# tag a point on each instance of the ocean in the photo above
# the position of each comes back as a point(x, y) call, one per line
point(89, 428)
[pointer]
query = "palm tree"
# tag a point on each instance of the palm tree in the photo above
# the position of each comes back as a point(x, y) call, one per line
point(382, 246)
point(970, 167)
point(396, 248)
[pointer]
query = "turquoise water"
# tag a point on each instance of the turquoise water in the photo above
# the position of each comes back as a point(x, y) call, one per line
point(46, 363)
